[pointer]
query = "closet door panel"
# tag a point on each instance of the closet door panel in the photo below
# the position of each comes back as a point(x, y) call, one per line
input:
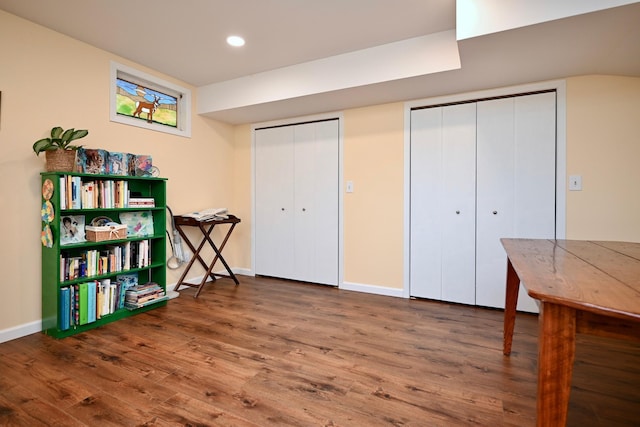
point(535, 166)
point(495, 174)
point(316, 202)
point(426, 199)
point(326, 209)
point(516, 185)
point(458, 207)
point(274, 192)
point(535, 179)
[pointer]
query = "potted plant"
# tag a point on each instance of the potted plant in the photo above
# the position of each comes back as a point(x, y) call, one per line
point(59, 152)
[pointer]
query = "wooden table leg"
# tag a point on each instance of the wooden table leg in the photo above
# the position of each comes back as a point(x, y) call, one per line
point(511, 302)
point(556, 352)
point(218, 254)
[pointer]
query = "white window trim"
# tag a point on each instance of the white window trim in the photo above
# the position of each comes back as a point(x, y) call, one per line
point(184, 101)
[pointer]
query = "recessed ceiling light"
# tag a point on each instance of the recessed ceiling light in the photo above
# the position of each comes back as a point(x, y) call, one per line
point(235, 41)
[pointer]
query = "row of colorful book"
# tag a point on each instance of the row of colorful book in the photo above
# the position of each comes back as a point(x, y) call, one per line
point(103, 162)
point(86, 302)
point(98, 194)
point(112, 259)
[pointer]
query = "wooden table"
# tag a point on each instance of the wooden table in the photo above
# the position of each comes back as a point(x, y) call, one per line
point(205, 227)
point(583, 286)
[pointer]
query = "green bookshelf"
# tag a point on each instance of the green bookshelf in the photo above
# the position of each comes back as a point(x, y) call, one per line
point(55, 189)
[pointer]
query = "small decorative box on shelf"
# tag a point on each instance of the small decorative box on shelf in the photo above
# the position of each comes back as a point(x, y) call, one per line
point(106, 232)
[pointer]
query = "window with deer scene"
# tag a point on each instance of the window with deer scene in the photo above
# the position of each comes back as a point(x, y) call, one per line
point(146, 101)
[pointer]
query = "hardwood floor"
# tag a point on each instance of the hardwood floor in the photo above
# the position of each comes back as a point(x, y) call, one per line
point(281, 353)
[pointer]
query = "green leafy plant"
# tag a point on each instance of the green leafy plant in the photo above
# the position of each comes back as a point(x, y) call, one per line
point(59, 140)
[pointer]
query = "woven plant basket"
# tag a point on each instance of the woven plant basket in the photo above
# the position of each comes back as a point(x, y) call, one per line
point(60, 160)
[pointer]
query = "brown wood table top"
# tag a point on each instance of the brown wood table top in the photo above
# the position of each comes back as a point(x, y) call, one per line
point(595, 276)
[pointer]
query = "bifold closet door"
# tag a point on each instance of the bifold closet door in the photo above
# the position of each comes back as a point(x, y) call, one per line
point(274, 191)
point(297, 202)
point(316, 194)
point(442, 222)
point(516, 164)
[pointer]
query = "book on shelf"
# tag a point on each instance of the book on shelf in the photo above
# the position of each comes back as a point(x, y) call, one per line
point(64, 314)
point(91, 301)
point(105, 290)
point(62, 188)
point(83, 304)
point(113, 297)
point(117, 163)
point(99, 301)
point(128, 280)
point(92, 160)
point(142, 164)
point(141, 202)
point(139, 224)
point(76, 304)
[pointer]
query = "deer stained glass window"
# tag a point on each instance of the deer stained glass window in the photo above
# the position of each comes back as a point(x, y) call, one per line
point(147, 101)
point(143, 103)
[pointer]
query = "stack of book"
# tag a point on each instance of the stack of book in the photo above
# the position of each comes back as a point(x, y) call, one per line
point(143, 295)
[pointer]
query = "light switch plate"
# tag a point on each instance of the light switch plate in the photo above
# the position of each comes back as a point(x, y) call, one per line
point(575, 182)
point(349, 186)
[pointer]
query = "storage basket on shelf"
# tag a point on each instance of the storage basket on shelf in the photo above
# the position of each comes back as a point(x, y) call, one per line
point(104, 228)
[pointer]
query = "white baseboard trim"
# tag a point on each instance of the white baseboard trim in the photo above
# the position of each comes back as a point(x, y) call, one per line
point(20, 331)
point(372, 289)
point(242, 271)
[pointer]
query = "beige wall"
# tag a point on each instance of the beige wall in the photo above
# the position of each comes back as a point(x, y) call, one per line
point(48, 79)
point(603, 145)
point(373, 213)
point(55, 80)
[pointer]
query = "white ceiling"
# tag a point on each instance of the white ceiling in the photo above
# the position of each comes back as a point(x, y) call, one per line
point(186, 40)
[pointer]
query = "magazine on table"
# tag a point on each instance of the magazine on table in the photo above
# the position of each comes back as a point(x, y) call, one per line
point(208, 214)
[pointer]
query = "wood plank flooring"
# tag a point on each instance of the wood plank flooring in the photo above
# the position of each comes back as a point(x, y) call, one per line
point(280, 353)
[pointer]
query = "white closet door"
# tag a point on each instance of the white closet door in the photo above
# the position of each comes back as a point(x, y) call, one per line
point(274, 192)
point(535, 195)
point(425, 262)
point(316, 202)
point(443, 203)
point(515, 185)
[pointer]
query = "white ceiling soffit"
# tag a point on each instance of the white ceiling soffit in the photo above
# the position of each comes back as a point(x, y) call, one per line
point(481, 17)
point(602, 42)
point(417, 56)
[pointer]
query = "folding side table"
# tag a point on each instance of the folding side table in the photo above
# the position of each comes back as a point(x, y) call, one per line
point(205, 227)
